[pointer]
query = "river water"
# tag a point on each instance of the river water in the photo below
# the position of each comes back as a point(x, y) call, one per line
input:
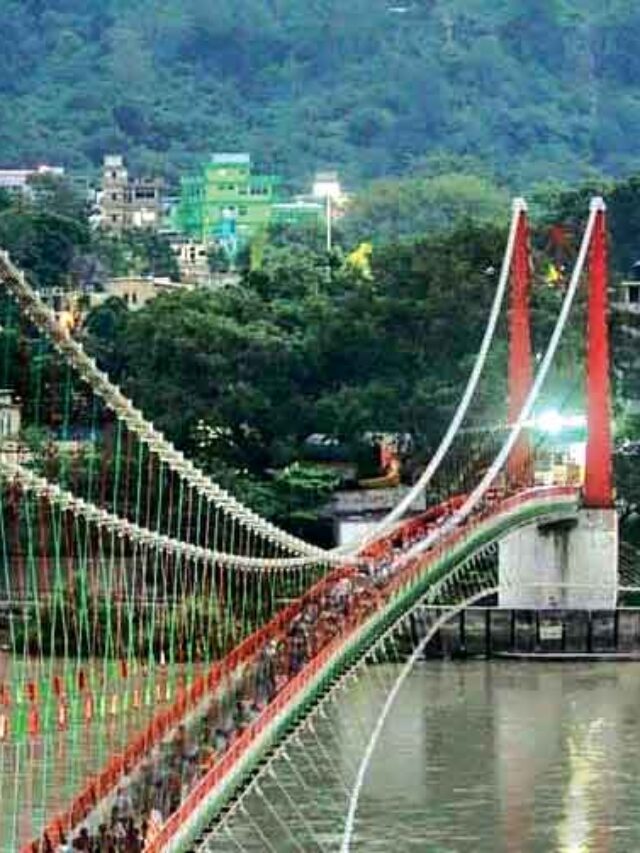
point(477, 756)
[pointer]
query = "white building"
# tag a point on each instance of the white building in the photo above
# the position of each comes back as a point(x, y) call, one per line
point(18, 181)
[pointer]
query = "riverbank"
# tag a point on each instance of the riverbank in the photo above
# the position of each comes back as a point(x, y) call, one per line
point(532, 634)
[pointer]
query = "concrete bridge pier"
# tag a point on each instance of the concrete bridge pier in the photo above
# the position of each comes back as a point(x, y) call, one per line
point(570, 564)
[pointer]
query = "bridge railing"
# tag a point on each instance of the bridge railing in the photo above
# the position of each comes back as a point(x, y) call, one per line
point(100, 786)
point(244, 742)
point(298, 684)
point(104, 783)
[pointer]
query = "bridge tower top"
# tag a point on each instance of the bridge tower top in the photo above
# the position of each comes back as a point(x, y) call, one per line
point(598, 489)
point(520, 375)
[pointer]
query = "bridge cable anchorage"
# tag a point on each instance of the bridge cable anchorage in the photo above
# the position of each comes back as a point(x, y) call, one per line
point(44, 320)
point(519, 209)
point(474, 498)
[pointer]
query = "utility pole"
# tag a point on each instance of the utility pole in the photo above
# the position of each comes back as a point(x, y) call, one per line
point(329, 228)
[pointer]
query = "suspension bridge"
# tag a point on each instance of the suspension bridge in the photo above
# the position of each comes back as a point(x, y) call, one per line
point(166, 649)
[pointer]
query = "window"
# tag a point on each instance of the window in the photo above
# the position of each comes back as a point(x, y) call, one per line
point(114, 196)
point(634, 294)
point(242, 210)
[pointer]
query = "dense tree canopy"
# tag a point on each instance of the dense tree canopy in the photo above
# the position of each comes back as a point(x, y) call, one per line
point(49, 236)
point(432, 200)
point(300, 348)
point(537, 88)
point(310, 342)
point(239, 377)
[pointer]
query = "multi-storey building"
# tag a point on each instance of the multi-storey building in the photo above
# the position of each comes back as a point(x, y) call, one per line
point(126, 203)
point(625, 309)
point(226, 202)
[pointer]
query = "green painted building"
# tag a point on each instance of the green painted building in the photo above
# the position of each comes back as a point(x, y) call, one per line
point(226, 201)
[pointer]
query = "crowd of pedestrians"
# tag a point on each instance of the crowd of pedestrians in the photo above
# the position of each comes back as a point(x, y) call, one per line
point(165, 778)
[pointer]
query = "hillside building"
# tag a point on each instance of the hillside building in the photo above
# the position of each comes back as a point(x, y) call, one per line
point(226, 203)
point(10, 415)
point(625, 304)
point(136, 291)
point(627, 294)
point(126, 203)
point(300, 212)
point(192, 257)
point(20, 182)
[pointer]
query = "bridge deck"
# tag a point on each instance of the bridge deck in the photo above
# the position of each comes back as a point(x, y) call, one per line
point(394, 589)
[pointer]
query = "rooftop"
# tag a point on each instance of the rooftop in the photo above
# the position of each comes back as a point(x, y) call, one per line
point(231, 158)
point(15, 177)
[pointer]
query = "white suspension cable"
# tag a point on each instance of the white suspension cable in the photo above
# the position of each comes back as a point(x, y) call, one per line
point(44, 320)
point(519, 207)
point(597, 205)
point(386, 710)
point(14, 472)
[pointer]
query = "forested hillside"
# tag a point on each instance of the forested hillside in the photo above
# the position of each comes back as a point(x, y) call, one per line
point(535, 89)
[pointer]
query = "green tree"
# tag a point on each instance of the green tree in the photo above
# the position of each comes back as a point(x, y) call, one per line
point(45, 244)
point(391, 210)
point(537, 89)
point(241, 376)
point(142, 253)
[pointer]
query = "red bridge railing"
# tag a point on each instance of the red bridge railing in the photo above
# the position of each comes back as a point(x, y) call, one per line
point(297, 684)
point(101, 785)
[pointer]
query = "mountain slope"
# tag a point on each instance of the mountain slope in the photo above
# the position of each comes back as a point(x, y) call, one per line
point(535, 88)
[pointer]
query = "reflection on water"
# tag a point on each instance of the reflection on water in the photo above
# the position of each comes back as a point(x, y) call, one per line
point(482, 757)
point(510, 756)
